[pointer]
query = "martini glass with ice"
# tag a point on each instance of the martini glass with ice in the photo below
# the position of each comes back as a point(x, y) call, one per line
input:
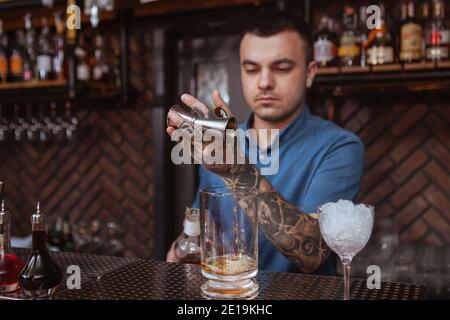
point(346, 227)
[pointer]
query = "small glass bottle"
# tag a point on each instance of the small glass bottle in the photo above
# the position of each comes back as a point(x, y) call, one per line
point(10, 264)
point(187, 246)
point(41, 276)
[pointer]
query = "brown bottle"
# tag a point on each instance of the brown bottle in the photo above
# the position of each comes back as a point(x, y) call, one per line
point(410, 34)
point(187, 246)
point(41, 276)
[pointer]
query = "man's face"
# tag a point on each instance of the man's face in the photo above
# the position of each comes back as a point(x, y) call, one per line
point(275, 74)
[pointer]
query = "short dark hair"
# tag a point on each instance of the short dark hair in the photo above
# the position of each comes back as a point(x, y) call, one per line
point(267, 24)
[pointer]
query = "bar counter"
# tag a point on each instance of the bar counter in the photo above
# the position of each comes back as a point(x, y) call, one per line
point(104, 278)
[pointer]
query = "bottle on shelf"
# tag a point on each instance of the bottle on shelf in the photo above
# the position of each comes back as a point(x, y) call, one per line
point(424, 19)
point(380, 49)
point(100, 68)
point(58, 57)
point(437, 34)
point(16, 58)
point(44, 58)
point(10, 264)
point(83, 69)
point(349, 49)
point(3, 54)
point(410, 34)
point(362, 39)
point(187, 246)
point(41, 276)
point(325, 43)
point(55, 235)
point(29, 65)
point(68, 242)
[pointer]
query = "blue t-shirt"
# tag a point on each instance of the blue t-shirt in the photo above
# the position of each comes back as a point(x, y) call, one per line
point(319, 162)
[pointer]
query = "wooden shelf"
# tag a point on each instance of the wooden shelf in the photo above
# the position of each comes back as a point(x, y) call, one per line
point(427, 76)
point(35, 84)
point(55, 89)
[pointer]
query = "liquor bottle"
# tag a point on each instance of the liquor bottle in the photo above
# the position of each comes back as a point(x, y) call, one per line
point(325, 44)
point(424, 20)
point(3, 54)
point(44, 59)
point(410, 34)
point(363, 36)
point(83, 70)
point(70, 64)
point(10, 264)
point(16, 58)
point(55, 235)
point(29, 65)
point(349, 50)
point(437, 34)
point(68, 242)
point(100, 69)
point(41, 276)
point(58, 57)
point(380, 49)
point(187, 246)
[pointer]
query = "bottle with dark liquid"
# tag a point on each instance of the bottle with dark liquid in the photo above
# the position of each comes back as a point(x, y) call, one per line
point(41, 276)
point(10, 264)
point(187, 246)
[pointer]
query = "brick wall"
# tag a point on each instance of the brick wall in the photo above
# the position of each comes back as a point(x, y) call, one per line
point(407, 160)
point(106, 172)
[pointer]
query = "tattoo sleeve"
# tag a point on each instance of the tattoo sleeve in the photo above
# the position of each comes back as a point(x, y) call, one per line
point(293, 232)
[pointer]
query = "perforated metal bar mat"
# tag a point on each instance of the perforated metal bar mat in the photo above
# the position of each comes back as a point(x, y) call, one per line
point(159, 280)
point(91, 267)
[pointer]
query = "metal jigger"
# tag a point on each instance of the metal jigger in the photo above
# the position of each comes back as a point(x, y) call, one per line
point(188, 115)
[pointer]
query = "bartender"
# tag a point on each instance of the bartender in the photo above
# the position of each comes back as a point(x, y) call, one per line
point(319, 161)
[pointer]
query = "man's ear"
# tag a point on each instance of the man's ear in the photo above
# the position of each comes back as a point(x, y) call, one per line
point(311, 70)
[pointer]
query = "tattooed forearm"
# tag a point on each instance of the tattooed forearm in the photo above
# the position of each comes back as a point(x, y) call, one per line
point(292, 231)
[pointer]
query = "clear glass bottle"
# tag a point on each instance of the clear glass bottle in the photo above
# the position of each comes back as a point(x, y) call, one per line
point(41, 276)
point(437, 35)
point(10, 264)
point(410, 34)
point(44, 58)
point(349, 50)
point(325, 44)
point(187, 246)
